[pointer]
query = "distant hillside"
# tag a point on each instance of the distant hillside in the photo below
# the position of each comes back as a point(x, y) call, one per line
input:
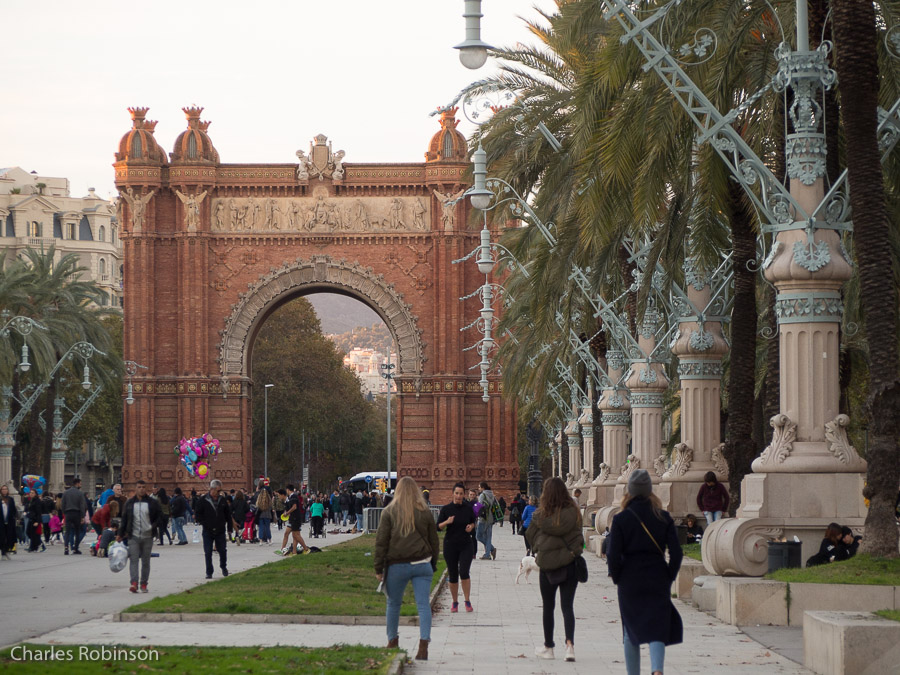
point(340, 314)
point(376, 337)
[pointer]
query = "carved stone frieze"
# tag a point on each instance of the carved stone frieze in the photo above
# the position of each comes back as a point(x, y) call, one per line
point(325, 272)
point(698, 369)
point(603, 476)
point(659, 466)
point(616, 419)
point(682, 456)
point(320, 214)
point(631, 464)
point(720, 466)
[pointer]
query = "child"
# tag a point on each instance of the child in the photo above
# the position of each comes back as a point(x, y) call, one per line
point(107, 537)
point(55, 528)
point(249, 519)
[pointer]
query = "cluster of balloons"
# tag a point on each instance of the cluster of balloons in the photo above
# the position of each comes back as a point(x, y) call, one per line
point(33, 482)
point(196, 453)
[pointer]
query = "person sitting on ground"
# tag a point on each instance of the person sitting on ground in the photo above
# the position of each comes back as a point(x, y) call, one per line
point(830, 549)
point(849, 543)
point(693, 529)
point(107, 537)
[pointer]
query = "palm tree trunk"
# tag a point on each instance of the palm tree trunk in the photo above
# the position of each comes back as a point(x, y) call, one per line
point(856, 62)
point(739, 447)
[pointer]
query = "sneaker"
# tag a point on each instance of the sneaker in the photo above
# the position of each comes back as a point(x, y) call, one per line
point(570, 652)
point(133, 587)
point(144, 588)
point(75, 552)
point(66, 552)
point(544, 653)
point(224, 572)
point(494, 553)
point(469, 607)
point(306, 551)
point(454, 608)
point(209, 576)
point(486, 557)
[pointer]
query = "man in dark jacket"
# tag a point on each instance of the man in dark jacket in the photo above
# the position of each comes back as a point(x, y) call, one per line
point(48, 506)
point(138, 521)
point(346, 502)
point(178, 509)
point(74, 506)
point(213, 512)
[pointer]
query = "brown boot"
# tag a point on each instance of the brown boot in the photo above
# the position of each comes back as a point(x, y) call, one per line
point(422, 654)
point(394, 643)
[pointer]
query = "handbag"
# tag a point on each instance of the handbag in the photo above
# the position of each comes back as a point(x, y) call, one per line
point(581, 570)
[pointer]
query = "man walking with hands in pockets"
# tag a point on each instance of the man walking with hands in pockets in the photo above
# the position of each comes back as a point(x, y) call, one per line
point(214, 514)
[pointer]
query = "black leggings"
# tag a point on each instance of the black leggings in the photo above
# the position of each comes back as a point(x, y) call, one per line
point(566, 602)
point(459, 560)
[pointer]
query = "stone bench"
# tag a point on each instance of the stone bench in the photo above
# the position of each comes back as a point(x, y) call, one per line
point(683, 585)
point(851, 643)
point(743, 601)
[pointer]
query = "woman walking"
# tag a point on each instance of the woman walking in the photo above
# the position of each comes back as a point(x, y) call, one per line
point(556, 539)
point(406, 550)
point(527, 514)
point(165, 511)
point(458, 519)
point(264, 514)
point(638, 538)
point(7, 522)
point(239, 509)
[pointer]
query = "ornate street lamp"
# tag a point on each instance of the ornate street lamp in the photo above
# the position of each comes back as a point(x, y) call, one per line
point(387, 372)
point(472, 51)
point(266, 431)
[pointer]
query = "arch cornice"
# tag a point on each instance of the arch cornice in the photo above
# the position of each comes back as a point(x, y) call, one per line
point(321, 272)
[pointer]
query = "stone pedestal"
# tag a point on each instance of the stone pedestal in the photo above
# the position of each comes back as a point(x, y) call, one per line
point(573, 438)
point(57, 479)
point(616, 416)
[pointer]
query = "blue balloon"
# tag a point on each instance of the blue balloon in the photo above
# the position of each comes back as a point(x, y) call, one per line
point(192, 456)
point(26, 489)
point(39, 491)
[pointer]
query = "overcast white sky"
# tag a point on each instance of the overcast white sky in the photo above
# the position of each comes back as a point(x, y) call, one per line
point(270, 74)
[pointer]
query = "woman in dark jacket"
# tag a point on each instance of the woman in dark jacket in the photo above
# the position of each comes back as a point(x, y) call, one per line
point(555, 536)
point(7, 522)
point(165, 511)
point(34, 509)
point(239, 509)
point(638, 538)
point(831, 548)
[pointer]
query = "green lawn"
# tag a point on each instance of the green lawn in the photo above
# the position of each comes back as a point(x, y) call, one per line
point(892, 614)
point(691, 551)
point(198, 660)
point(339, 581)
point(861, 569)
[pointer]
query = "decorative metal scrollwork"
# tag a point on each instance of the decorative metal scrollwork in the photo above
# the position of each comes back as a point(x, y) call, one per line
point(812, 255)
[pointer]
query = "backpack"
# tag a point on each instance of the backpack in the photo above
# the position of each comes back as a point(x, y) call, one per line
point(497, 511)
point(166, 509)
point(514, 512)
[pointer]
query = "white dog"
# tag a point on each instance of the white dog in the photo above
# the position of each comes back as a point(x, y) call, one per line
point(527, 565)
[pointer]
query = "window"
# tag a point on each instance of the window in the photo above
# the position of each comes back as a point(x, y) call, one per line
point(102, 267)
point(34, 229)
point(70, 231)
point(137, 148)
point(192, 147)
point(102, 233)
point(448, 145)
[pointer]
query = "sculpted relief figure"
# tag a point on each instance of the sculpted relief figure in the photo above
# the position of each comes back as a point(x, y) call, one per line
point(448, 204)
point(220, 217)
point(338, 172)
point(419, 214)
point(138, 205)
point(191, 208)
point(360, 215)
point(303, 169)
point(395, 218)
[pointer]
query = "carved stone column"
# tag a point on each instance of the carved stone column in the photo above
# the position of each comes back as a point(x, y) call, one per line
point(646, 384)
point(57, 479)
point(586, 420)
point(616, 417)
point(573, 437)
point(699, 347)
point(809, 475)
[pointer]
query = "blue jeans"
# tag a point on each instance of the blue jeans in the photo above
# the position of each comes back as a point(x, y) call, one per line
point(178, 526)
point(633, 656)
point(712, 516)
point(484, 533)
point(346, 518)
point(265, 532)
point(395, 579)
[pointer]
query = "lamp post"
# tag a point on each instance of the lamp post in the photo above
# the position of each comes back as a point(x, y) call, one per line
point(535, 477)
point(266, 431)
point(387, 372)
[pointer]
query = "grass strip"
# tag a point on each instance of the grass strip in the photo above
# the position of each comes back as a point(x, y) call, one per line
point(339, 581)
point(892, 614)
point(860, 569)
point(692, 551)
point(90, 659)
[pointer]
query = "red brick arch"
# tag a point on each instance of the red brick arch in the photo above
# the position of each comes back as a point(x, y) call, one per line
point(211, 249)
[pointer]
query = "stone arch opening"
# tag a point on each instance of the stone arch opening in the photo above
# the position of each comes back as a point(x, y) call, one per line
point(317, 274)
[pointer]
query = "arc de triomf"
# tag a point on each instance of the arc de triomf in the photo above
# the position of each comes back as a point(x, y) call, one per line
point(211, 249)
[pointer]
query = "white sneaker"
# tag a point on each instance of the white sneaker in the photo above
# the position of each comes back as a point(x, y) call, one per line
point(544, 653)
point(570, 652)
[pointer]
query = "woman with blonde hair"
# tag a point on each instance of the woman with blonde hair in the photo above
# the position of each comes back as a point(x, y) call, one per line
point(638, 539)
point(406, 550)
point(555, 537)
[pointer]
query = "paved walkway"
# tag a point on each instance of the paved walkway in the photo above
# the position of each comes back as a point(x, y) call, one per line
point(499, 637)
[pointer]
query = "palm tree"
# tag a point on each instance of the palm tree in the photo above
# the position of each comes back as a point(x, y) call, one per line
point(856, 62)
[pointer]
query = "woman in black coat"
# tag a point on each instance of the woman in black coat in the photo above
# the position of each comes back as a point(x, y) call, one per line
point(7, 522)
point(638, 538)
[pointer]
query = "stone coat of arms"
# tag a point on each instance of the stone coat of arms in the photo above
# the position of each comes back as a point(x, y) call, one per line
point(321, 162)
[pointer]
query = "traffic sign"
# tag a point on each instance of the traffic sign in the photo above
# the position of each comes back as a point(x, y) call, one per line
point(368, 479)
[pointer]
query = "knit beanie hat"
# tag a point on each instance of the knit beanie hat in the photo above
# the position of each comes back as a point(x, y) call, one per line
point(639, 483)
